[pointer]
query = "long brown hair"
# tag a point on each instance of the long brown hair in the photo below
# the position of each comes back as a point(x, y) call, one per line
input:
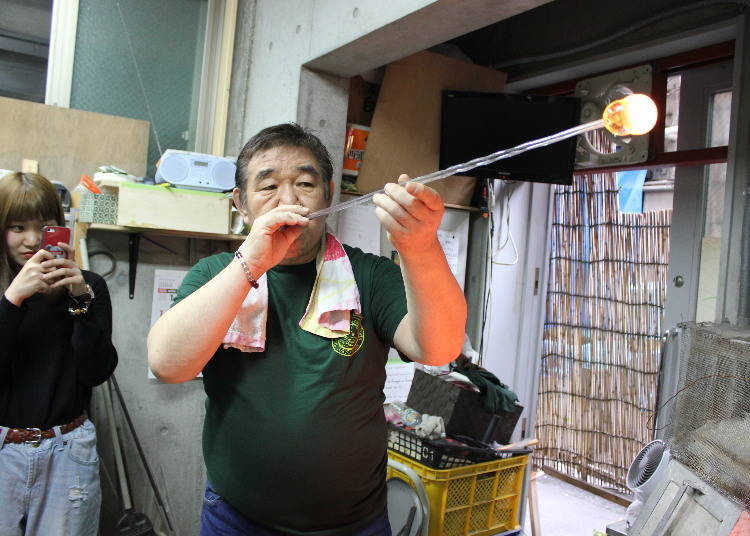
point(24, 196)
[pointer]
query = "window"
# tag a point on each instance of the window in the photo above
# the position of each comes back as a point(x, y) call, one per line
point(24, 48)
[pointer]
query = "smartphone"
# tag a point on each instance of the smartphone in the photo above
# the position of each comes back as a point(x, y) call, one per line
point(51, 235)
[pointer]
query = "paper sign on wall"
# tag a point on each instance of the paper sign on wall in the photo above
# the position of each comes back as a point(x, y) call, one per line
point(398, 377)
point(360, 227)
point(166, 283)
point(449, 242)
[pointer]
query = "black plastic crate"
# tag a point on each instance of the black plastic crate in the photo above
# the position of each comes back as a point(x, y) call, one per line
point(447, 453)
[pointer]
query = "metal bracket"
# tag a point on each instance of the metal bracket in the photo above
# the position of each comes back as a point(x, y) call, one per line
point(134, 242)
point(666, 519)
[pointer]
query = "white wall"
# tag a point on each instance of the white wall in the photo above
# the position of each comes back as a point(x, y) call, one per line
point(507, 281)
point(513, 329)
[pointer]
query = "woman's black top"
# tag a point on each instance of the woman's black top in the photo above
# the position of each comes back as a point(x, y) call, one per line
point(50, 360)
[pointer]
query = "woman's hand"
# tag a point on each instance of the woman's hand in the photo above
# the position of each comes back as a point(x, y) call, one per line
point(30, 279)
point(64, 272)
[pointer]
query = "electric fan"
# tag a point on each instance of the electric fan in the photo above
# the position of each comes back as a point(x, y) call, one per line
point(647, 469)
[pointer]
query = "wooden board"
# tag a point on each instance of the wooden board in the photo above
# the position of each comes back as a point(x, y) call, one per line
point(405, 131)
point(68, 143)
point(534, 520)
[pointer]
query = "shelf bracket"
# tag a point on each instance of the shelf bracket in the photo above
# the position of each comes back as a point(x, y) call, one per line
point(134, 241)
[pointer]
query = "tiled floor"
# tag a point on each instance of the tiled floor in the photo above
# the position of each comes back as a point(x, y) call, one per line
point(566, 510)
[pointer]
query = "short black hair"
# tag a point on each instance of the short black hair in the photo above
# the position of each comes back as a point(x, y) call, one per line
point(284, 135)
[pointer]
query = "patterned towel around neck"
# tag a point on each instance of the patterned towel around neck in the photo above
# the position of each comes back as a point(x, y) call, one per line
point(333, 298)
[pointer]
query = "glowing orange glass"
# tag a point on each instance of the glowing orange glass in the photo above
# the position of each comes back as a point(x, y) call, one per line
point(630, 116)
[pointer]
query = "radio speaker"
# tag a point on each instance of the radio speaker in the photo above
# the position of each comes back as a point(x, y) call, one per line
point(196, 171)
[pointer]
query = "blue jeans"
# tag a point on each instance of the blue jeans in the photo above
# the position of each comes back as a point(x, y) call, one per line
point(219, 518)
point(51, 489)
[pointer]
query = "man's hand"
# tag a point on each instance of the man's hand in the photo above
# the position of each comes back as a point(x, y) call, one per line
point(271, 235)
point(432, 331)
point(30, 279)
point(411, 214)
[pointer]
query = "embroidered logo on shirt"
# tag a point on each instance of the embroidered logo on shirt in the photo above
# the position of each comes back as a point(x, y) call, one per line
point(350, 345)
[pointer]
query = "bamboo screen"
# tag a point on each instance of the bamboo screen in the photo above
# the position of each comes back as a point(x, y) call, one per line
point(601, 346)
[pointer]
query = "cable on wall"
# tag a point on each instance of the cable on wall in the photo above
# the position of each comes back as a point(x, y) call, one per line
point(111, 257)
point(507, 192)
point(140, 78)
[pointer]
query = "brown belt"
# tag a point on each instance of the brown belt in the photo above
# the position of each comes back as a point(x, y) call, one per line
point(35, 435)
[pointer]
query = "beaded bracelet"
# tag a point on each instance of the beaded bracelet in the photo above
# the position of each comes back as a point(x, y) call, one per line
point(245, 269)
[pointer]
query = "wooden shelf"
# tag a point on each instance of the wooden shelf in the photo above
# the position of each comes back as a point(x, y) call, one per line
point(163, 232)
point(447, 205)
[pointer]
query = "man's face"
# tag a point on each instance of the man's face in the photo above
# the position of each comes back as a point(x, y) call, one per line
point(286, 176)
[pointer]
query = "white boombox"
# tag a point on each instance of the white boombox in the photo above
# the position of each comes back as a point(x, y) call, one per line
point(196, 171)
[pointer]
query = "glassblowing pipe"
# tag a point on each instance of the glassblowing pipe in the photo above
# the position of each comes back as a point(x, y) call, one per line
point(630, 116)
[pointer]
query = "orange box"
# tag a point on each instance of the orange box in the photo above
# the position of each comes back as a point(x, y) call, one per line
point(354, 148)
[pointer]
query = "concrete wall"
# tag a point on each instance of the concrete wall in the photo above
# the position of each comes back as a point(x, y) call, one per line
point(286, 35)
point(342, 39)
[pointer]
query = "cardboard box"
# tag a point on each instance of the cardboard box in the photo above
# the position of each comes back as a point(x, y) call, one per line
point(405, 130)
point(157, 207)
point(363, 96)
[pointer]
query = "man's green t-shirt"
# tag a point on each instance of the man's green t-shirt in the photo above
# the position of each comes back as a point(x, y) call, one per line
point(295, 437)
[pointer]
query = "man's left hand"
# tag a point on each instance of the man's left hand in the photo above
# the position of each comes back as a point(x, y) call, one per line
point(411, 214)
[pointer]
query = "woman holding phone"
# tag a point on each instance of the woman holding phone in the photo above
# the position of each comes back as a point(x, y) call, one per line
point(55, 345)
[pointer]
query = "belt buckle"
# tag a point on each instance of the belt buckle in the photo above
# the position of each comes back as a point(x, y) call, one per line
point(37, 441)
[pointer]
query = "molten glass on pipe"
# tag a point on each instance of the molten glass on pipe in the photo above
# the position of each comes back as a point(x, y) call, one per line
point(630, 116)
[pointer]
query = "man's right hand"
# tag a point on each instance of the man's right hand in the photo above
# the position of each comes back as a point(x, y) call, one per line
point(29, 279)
point(271, 235)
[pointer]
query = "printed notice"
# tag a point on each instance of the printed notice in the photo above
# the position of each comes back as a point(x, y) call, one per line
point(166, 283)
point(449, 241)
point(398, 377)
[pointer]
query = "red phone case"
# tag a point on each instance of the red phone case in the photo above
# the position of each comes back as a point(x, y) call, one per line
point(51, 235)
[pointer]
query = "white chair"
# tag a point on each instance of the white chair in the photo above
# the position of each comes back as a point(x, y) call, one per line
point(408, 505)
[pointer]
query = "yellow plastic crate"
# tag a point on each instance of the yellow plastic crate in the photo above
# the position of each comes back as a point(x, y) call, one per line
point(477, 500)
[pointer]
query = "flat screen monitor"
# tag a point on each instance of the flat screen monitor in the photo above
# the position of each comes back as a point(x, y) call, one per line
point(476, 124)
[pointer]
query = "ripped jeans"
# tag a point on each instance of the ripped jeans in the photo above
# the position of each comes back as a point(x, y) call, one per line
point(51, 489)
